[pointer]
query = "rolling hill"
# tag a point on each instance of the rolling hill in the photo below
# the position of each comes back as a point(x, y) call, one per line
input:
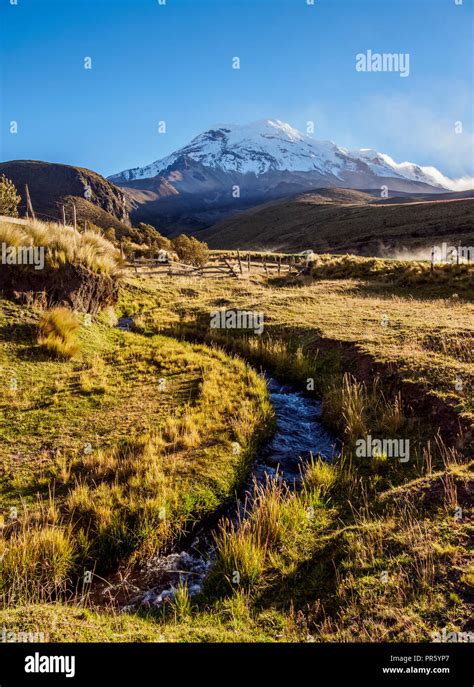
point(52, 185)
point(346, 221)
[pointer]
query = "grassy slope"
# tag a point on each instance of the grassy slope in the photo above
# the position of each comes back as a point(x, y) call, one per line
point(373, 229)
point(402, 561)
point(95, 445)
point(396, 567)
point(428, 336)
point(63, 246)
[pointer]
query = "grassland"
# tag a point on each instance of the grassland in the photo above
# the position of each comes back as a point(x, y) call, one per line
point(361, 226)
point(366, 551)
point(115, 452)
point(420, 326)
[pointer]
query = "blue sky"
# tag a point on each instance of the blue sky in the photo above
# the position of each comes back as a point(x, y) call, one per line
point(173, 63)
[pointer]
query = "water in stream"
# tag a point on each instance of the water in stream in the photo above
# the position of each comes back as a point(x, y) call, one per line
point(299, 434)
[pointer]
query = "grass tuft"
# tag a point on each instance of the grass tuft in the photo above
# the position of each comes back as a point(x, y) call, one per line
point(57, 331)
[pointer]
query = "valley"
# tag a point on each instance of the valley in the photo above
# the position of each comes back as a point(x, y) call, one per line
point(164, 419)
point(236, 340)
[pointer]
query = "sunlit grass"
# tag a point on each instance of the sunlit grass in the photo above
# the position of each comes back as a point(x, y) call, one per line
point(64, 245)
point(57, 333)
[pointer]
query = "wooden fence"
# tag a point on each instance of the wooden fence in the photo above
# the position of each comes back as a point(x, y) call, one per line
point(241, 266)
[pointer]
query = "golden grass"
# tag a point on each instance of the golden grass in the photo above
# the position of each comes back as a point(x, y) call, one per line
point(37, 558)
point(320, 477)
point(245, 547)
point(57, 333)
point(398, 272)
point(359, 553)
point(64, 245)
point(427, 337)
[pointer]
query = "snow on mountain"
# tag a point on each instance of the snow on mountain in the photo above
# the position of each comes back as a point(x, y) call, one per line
point(274, 146)
point(261, 147)
point(383, 165)
point(268, 145)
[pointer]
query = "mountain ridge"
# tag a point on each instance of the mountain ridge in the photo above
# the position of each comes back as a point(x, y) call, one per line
point(228, 169)
point(52, 185)
point(274, 146)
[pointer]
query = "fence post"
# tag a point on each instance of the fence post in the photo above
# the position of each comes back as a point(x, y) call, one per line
point(248, 262)
point(64, 215)
point(29, 205)
point(74, 216)
point(238, 258)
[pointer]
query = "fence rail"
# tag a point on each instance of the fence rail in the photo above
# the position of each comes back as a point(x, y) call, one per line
point(240, 267)
point(18, 220)
point(13, 220)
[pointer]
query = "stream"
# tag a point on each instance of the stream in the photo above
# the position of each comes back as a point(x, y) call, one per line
point(299, 434)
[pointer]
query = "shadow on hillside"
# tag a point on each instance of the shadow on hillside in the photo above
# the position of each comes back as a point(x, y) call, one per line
point(312, 581)
point(18, 333)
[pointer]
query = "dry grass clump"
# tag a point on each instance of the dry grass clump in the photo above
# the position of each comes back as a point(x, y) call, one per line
point(37, 557)
point(57, 330)
point(357, 408)
point(251, 549)
point(320, 476)
point(64, 245)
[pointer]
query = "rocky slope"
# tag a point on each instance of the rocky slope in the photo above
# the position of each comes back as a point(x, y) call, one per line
point(52, 185)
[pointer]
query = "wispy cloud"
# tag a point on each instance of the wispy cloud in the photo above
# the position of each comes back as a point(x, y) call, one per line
point(427, 136)
point(406, 131)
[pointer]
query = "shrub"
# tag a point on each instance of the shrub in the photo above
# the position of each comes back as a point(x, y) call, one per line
point(57, 333)
point(152, 237)
point(9, 198)
point(191, 251)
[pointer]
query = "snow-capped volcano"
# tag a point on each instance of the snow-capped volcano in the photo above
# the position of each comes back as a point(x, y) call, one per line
point(264, 146)
point(270, 146)
point(230, 168)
